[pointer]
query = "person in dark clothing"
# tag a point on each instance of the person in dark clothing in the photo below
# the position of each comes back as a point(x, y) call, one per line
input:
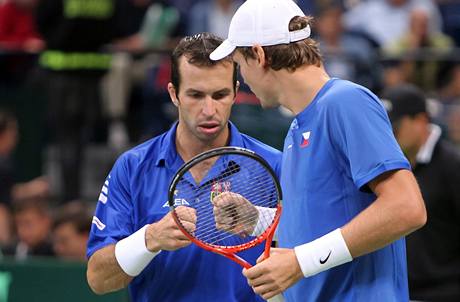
point(433, 252)
point(75, 31)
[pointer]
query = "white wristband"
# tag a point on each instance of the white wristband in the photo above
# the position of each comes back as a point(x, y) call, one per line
point(132, 254)
point(323, 253)
point(265, 219)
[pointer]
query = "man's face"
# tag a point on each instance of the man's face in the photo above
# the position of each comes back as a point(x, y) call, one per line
point(407, 131)
point(205, 99)
point(255, 77)
point(68, 243)
point(32, 227)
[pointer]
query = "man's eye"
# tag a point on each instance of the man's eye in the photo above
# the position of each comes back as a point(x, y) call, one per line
point(196, 95)
point(219, 96)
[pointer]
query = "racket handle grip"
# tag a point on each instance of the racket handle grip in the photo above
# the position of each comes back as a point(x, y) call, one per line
point(277, 298)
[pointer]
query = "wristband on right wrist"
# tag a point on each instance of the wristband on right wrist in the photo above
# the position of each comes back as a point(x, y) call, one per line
point(323, 253)
point(132, 254)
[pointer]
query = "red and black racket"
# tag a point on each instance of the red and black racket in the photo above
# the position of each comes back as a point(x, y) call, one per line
point(233, 199)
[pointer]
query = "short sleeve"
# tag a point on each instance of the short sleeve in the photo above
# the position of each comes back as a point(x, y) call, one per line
point(112, 220)
point(361, 131)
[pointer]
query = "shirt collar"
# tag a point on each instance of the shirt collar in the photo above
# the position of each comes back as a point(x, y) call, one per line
point(168, 151)
point(425, 153)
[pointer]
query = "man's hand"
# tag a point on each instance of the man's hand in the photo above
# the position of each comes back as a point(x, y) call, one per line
point(275, 274)
point(166, 235)
point(234, 214)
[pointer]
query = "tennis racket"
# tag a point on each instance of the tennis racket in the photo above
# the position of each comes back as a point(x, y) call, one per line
point(234, 199)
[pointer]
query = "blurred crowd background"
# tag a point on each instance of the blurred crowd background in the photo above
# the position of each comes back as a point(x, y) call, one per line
point(83, 80)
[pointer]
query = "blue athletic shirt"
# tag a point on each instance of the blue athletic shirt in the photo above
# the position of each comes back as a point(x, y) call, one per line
point(135, 194)
point(334, 148)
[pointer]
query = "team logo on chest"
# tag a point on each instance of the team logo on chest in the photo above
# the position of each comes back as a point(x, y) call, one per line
point(305, 139)
point(219, 187)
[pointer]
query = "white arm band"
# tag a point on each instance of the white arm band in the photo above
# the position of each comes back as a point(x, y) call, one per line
point(132, 254)
point(265, 219)
point(323, 253)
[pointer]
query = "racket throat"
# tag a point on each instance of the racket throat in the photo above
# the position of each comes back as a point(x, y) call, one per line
point(236, 258)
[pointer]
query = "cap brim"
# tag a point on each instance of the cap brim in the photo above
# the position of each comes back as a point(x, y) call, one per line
point(224, 49)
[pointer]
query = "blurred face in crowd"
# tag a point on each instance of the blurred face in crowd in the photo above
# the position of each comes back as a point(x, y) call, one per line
point(32, 226)
point(329, 23)
point(409, 132)
point(419, 22)
point(204, 100)
point(68, 243)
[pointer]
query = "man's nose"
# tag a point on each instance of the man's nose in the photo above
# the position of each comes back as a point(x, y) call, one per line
point(209, 106)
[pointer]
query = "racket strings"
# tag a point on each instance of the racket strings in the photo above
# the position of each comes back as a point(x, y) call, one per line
point(264, 218)
point(247, 181)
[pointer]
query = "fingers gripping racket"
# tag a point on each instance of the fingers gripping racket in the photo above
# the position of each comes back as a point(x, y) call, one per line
point(227, 200)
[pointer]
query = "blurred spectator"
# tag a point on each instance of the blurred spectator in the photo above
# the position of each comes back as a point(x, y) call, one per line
point(160, 29)
point(212, 16)
point(346, 55)
point(75, 32)
point(448, 82)
point(419, 42)
point(433, 252)
point(453, 125)
point(156, 29)
point(450, 12)
point(387, 20)
point(6, 227)
point(448, 93)
point(70, 231)
point(9, 189)
point(8, 141)
point(133, 12)
point(17, 26)
point(33, 225)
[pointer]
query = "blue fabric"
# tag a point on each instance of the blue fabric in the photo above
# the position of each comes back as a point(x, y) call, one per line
point(135, 194)
point(334, 148)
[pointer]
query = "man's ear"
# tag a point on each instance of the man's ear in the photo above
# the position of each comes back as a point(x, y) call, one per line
point(237, 87)
point(172, 94)
point(260, 55)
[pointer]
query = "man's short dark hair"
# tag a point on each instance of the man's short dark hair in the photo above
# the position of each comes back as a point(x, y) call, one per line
point(196, 49)
point(76, 214)
point(404, 100)
point(39, 205)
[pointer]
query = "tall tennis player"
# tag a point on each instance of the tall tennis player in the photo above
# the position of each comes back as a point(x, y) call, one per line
point(349, 194)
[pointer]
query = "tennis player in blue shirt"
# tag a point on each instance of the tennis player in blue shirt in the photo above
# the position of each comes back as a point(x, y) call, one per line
point(349, 194)
point(134, 239)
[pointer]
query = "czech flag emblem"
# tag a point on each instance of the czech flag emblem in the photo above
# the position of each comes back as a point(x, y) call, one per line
point(305, 139)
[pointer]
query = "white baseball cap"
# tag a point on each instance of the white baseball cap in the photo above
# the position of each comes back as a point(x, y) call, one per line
point(263, 22)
